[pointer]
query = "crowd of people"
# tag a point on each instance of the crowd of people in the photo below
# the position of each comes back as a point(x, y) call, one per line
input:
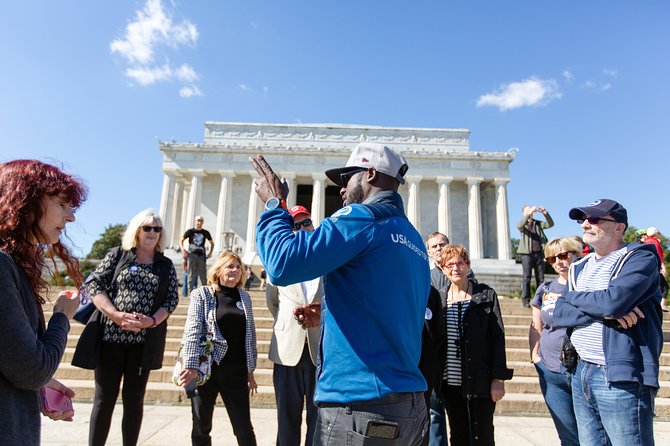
point(379, 336)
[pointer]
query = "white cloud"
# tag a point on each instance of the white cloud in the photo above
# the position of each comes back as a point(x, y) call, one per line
point(244, 87)
point(150, 75)
point(589, 84)
point(606, 86)
point(189, 91)
point(265, 89)
point(567, 75)
point(146, 37)
point(532, 92)
point(152, 27)
point(610, 72)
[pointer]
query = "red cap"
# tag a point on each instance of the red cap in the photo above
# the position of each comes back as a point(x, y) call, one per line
point(297, 210)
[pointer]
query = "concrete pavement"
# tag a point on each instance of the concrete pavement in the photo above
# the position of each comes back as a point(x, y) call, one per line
point(171, 426)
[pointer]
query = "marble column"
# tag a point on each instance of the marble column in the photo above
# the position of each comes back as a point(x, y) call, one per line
point(502, 219)
point(443, 211)
point(165, 210)
point(318, 207)
point(195, 196)
point(223, 209)
point(413, 204)
point(292, 189)
point(185, 223)
point(475, 218)
point(252, 219)
point(174, 216)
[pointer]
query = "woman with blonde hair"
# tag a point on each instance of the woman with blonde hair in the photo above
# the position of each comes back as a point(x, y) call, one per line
point(135, 290)
point(476, 365)
point(221, 311)
point(545, 340)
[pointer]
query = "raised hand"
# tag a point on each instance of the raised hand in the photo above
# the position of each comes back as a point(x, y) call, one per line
point(268, 185)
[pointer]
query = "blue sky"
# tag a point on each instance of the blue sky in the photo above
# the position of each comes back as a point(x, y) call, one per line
point(581, 88)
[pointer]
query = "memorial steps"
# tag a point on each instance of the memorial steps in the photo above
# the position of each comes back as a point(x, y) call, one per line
point(523, 395)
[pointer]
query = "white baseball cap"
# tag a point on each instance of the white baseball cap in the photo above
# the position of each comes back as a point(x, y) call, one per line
point(378, 156)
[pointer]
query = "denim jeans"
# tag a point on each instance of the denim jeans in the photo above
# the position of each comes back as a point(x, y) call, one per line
point(617, 414)
point(438, 422)
point(346, 424)
point(557, 392)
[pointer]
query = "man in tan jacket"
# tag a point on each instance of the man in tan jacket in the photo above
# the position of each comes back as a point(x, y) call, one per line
point(294, 350)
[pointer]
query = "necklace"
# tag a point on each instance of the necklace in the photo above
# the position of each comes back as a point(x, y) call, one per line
point(457, 297)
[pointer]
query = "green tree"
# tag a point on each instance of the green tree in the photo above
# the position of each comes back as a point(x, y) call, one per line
point(110, 238)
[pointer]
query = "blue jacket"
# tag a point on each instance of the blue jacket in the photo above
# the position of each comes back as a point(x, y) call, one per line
point(376, 286)
point(631, 355)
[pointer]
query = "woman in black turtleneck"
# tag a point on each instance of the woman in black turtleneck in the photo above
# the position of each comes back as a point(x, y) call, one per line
point(222, 311)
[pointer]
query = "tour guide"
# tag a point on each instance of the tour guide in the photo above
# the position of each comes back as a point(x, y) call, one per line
point(377, 283)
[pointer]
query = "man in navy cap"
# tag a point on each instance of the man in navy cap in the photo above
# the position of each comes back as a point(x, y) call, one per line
point(369, 385)
point(611, 305)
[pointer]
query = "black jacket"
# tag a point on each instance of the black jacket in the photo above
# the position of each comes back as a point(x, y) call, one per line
point(433, 347)
point(483, 343)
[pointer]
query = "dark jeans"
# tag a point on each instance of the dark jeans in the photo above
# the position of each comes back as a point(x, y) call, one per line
point(232, 383)
point(404, 413)
point(293, 386)
point(117, 361)
point(197, 269)
point(468, 418)
point(531, 262)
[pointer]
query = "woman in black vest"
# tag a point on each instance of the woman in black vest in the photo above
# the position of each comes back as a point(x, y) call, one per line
point(135, 288)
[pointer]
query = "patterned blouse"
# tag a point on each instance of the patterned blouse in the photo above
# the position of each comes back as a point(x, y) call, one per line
point(136, 289)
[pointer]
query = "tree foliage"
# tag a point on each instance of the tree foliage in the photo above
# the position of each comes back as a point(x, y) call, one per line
point(109, 239)
point(631, 236)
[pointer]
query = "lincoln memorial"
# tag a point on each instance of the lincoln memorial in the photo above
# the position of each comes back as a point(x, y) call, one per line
point(449, 188)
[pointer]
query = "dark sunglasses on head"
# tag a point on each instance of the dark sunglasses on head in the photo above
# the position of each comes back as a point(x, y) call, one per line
point(157, 229)
point(594, 220)
point(345, 177)
point(561, 256)
point(305, 223)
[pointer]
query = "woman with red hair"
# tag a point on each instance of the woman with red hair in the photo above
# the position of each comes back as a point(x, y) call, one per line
point(37, 200)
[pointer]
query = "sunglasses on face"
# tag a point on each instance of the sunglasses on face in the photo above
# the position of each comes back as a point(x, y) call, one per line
point(345, 177)
point(561, 256)
point(304, 224)
point(157, 229)
point(594, 220)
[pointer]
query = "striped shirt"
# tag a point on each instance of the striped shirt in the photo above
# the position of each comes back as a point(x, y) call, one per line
point(596, 274)
point(454, 316)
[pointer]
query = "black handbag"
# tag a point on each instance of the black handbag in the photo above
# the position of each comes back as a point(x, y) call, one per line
point(568, 356)
point(87, 352)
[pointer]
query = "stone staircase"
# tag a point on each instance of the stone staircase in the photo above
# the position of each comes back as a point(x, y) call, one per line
point(522, 397)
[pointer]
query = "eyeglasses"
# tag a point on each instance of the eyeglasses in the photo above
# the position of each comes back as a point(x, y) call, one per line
point(157, 229)
point(561, 256)
point(345, 177)
point(594, 220)
point(304, 224)
point(458, 265)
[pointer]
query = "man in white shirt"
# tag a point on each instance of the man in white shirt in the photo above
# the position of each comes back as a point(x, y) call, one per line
point(294, 350)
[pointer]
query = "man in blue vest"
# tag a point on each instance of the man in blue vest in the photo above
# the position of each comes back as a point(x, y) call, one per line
point(377, 282)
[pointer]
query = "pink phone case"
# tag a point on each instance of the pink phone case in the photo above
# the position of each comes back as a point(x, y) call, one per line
point(54, 401)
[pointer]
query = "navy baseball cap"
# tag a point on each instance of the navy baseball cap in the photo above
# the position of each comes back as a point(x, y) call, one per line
point(601, 208)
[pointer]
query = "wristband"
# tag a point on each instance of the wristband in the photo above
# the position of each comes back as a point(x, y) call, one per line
point(154, 321)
